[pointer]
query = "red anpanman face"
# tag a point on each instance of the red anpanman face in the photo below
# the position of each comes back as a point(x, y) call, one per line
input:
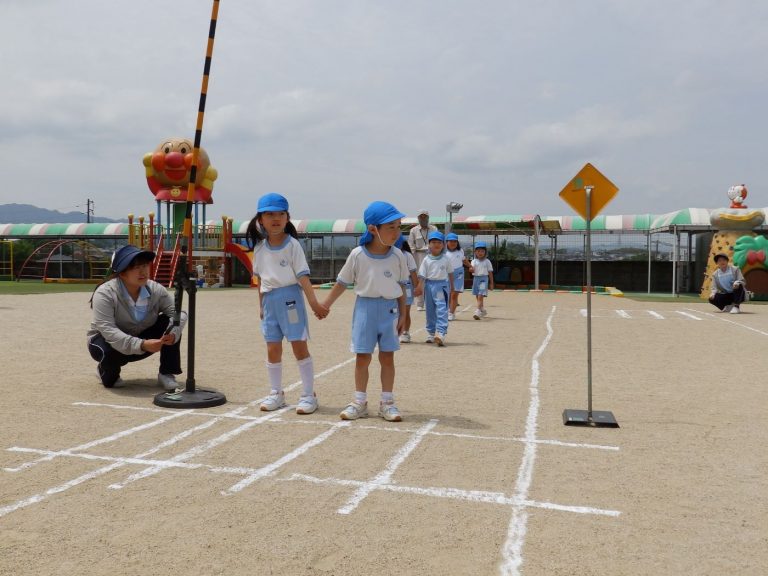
point(172, 160)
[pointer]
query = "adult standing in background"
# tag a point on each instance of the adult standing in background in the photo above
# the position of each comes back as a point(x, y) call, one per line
point(418, 240)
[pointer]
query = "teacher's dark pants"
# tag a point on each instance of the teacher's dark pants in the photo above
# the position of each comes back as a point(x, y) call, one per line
point(734, 298)
point(110, 360)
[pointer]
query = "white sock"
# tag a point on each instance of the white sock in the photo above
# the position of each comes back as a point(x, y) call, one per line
point(387, 397)
point(275, 373)
point(361, 397)
point(307, 372)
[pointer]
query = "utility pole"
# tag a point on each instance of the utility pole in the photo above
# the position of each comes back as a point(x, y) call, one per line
point(89, 210)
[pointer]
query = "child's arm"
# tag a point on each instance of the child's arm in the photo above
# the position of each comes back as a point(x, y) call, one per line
point(319, 310)
point(490, 279)
point(401, 310)
point(261, 305)
point(419, 290)
point(450, 281)
point(337, 290)
point(414, 279)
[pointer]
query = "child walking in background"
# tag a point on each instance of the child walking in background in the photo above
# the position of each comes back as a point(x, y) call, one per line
point(379, 272)
point(459, 262)
point(435, 281)
point(482, 270)
point(410, 286)
point(280, 265)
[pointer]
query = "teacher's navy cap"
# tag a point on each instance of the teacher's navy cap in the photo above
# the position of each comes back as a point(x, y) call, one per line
point(123, 257)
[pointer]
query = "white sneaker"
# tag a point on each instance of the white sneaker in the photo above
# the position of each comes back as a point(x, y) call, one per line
point(389, 412)
point(440, 339)
point(307, 404)
point(735, 310)
point(274, 401)
point(430, 338)
point(354, 410)
point(727, 308)
point(167, 381)
point(405, 337)
point(451, 317)
point(477, 314)
point(483, 312)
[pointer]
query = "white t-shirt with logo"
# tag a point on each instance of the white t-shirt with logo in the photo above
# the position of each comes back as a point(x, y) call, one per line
point(279, 266)
point(436, 267)
point(481, 267)
point(456, 257)
point(375, 275)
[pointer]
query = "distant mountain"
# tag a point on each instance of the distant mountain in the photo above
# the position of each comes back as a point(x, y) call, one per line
point(28, 214)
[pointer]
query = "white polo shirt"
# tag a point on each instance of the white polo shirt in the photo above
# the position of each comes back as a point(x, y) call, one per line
point(456, 257)
point(279, 266)
point(375, 275)
point(481, 267)
point(436, 267)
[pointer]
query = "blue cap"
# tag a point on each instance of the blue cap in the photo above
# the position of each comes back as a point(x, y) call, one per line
point(123, 257)
point(376, 214)
point(482, 245)
point(451, 236)
point(436, 236)
point(272, 202)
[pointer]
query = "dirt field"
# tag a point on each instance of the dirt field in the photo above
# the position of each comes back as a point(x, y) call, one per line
point(481, 477)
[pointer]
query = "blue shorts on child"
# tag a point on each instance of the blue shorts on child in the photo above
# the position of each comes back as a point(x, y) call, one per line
point(285, 315)
point(480, 285)
point(374, 321)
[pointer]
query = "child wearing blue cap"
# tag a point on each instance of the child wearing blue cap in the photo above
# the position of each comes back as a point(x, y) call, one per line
point(435, 281)
point(379, 272)
point(459, 262)
point(280, 265)
point(482, 272)
point(410, 286)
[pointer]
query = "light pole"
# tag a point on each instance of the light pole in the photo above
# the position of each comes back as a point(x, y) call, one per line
point(452, 208)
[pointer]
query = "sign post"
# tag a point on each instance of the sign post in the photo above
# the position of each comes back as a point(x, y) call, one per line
point(588, 193)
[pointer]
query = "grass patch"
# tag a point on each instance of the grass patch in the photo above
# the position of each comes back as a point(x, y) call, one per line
point(37, 287)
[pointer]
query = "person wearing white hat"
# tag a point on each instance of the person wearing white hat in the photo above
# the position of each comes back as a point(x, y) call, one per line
point(418, 240)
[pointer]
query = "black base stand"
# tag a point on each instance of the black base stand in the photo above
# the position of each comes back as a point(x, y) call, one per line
point(191, 397)
point(596, 418)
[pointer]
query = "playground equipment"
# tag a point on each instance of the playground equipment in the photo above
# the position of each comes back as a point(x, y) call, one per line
point(6, 260)
point(74, 261)
point(736, 239)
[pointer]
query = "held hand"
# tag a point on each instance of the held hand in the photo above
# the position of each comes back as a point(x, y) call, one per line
point(400, 325)
point(735, 284)
point(169, 339)
point(320, 310)
point(154, 345)
point(418, 291)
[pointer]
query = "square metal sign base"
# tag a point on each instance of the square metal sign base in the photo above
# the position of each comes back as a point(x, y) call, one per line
point(582, 418)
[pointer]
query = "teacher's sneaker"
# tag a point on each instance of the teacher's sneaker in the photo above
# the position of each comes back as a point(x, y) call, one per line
point(727, 308)
point(389, 412)
point(430, 338)
point(735, 310)
point(274, 401)
point(307, 404)
point(354, 410)
point(167, 381)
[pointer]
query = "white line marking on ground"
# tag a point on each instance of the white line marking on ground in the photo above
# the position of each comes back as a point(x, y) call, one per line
point(512, 550)
point(456, 494)
point(688, 315)
point(655, 314)
point(383, 477)
point(105, 440)
point(271, 468)
point(623, 313)
point(719, 317)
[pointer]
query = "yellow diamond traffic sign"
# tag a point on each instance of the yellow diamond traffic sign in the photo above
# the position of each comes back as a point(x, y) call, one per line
point(603, 191)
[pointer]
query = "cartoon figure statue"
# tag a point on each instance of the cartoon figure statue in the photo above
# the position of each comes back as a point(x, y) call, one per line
point(737, 194)
point(168, 172)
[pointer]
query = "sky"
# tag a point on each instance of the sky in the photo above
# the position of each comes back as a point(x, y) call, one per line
point(495, 104)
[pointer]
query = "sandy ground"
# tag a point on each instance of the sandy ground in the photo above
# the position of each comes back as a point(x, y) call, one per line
point(481, 477)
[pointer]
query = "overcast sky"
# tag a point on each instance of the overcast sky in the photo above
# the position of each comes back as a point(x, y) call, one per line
point(495, 104)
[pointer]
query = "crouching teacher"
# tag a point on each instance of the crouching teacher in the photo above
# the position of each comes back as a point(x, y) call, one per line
point(131, 319)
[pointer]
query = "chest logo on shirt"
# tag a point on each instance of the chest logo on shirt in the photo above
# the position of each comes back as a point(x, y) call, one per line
point(388, 273)
point(283, 263)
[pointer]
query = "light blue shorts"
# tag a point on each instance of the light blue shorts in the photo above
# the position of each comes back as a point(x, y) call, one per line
point(285, 315)
point(408, 293)
point(374, 321)
point(480, 285)
point(458, 279)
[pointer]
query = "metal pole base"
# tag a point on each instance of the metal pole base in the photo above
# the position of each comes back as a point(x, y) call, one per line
point(583, 418)
point(200, 398)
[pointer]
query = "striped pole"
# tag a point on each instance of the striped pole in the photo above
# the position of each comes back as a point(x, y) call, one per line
point(198, 135)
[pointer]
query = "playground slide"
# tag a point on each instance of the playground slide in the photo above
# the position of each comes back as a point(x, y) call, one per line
point(244, 255)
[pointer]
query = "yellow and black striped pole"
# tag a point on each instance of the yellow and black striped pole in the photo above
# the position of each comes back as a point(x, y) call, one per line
point(192, 397)
point(198, 134)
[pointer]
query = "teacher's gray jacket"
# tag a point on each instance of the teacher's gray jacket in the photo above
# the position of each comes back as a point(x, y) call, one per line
point(113, 316)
